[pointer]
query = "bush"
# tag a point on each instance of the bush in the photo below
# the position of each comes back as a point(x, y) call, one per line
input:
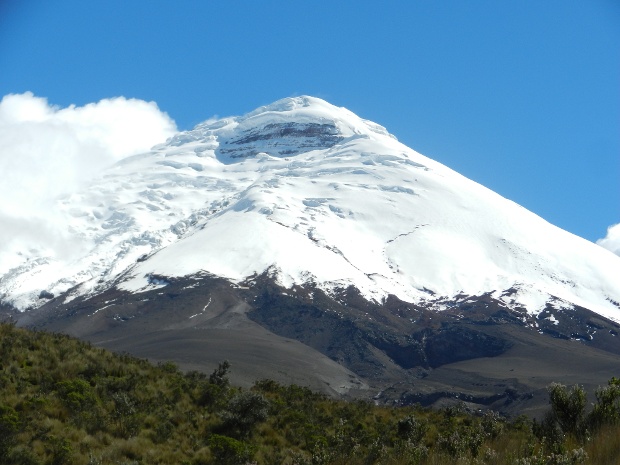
point(607, 408)
point(214, 392)
point(219, 377)
point(77, 394)
point(124, 414)
point(492, 424)
point(568, 407)
point(9, 426)
point(228, 451)
point(60, 451)
point(412, 429)
point(244, 410)
point(548, 432)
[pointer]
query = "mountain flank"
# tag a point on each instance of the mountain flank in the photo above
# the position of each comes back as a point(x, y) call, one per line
point(394, 353)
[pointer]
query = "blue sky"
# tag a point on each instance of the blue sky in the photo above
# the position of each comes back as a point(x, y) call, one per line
point(523, 97)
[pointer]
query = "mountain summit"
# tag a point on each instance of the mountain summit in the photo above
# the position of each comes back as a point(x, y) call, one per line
point(305, 244)
point(310, 192)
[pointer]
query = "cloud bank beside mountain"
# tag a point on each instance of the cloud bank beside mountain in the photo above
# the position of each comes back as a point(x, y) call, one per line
point(612, 240)
point(47, 151)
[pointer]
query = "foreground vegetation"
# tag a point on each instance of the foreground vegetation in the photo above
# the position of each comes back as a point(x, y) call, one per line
point(63, 401)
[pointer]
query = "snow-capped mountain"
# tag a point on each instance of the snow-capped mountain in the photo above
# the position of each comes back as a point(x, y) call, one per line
point(309, 193)
point(305, 244)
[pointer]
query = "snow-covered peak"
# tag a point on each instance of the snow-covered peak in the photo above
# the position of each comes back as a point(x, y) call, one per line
point(311, 193)
point(288, 104)
point(312, 110)
point(284, 128)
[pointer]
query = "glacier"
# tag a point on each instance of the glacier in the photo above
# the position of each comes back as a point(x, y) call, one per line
point(308, 193)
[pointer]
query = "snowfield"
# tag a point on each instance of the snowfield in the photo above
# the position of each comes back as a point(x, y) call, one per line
point(309, 192)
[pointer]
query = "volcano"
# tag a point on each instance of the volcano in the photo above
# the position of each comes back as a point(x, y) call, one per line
point(306, 244)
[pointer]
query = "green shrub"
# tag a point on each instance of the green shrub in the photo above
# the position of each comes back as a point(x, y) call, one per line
point(229, 451)
point(244, 411)
point(606, 411)
point(9, 427)
point(548, 432)
point(568, 407)
point(60, 451)
point(492, 424)
point(411, 429)
point(219, 377)
point(124, 414)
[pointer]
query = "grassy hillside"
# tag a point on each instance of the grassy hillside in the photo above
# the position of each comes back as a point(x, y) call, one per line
point(63, 401)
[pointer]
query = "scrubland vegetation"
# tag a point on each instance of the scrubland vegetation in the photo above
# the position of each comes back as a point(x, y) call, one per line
point(63, 401)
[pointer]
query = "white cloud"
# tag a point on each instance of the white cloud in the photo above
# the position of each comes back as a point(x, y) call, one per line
point(612, 240)
point(47, 151)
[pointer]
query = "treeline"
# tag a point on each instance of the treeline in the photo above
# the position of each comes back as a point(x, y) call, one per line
point(63, 401)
